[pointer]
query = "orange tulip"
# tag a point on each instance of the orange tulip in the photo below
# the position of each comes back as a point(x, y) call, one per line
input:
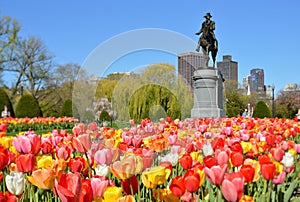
point(42, 178)
point(127, 167)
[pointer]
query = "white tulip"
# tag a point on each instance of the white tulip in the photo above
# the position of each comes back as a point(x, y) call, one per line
point(102, 170)
point(207, 149)
point(170, 157)
point(288, 160)
point(15, 182)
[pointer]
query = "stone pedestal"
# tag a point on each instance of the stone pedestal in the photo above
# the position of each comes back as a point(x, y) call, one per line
point(208, 93)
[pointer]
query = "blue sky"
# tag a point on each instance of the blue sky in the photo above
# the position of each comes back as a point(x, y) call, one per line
point(258, 34)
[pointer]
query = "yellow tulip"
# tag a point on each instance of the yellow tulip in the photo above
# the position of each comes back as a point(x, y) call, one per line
point(155, 176)
point(6, 141)
point(112, 194)
point(44, 161)
point(247, 146)
point(293, 152)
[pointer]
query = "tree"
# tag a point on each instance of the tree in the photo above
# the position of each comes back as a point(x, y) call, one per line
point(5, 101)
point(31, 63)
point(67, 109)
point(28, 107)
point(104, 116)
point(58, 89)
point(234, 104)
point(157, 90)
point(261, 110)
point(9, 29)
point(287, 103)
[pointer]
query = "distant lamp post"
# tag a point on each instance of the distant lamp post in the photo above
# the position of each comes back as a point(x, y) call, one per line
point(273, 98)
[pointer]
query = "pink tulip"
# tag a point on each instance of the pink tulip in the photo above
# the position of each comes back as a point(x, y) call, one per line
point(280, 178)
point(221, 157)
point(172, 139)
point(82, 143)
point(103, 156)
point(227, 131)
point(127, 138)
point(137, 141)
point(297, 148)
point(93, 126)
point(27, 143)
point(233, 186)
point(215, 174)
point(99, 184)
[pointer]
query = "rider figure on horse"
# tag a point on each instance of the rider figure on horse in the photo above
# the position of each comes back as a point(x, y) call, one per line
point(208, 36)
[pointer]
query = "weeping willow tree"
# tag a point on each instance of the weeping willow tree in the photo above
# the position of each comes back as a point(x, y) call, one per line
point(155, 93)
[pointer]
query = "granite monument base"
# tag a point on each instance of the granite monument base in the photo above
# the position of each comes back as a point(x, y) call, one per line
point(208, 93)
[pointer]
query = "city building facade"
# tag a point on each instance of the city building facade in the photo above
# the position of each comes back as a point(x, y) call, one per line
point(228, 68)
point(256, 81)
point(187, 64)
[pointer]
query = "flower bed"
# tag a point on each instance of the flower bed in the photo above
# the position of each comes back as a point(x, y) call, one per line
point(228, 159)
point(39, 123)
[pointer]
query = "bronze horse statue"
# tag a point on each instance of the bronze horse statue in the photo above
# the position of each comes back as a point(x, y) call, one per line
point(209, 45)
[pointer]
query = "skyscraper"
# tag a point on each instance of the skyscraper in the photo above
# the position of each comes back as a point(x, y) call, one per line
point(256, 81)
point(187, 63)
point(228, 68)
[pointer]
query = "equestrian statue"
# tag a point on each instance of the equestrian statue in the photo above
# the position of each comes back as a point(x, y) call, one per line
point(207, 40)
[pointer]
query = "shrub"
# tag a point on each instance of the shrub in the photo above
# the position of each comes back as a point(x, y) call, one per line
point(5, 101)
point(104, 116)
point(67, 109)
point(28, 107)
point(261, 110)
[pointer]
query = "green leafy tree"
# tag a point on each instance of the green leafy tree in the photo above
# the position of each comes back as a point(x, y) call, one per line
point(5, 101)
point(28, 107)
point(234, 104)
point(67, 109)
point(156, 91)
point(104, 116)
point(261, 110)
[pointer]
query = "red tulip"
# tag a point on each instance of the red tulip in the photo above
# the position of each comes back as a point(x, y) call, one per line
point(215, 174)
point(77, 164)
point(87, 192)
point(277, 154)
point(4, 157)
point(237, 159)
point(270, 139)
point(236, 147)
point(233, 186)
point(186, 161)
point(25, 162)
point(46, 148)
point(268, 170)
point(130, 186)
point(177, 186)
point(69, 187)
point(248, 172)
point(209, 161)
point(218, 143)
point(191, 181)
point(264, 159)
